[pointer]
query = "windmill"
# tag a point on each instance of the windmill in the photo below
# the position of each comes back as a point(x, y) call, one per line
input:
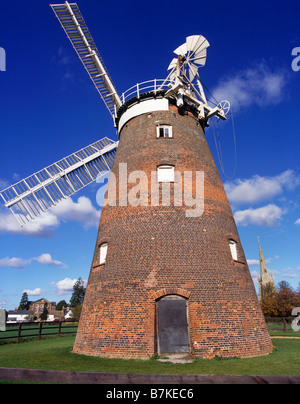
point(162, 279)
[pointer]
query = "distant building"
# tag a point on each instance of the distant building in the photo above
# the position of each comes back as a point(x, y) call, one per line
point(35, 310)
point(56, 315)
point(19, 316)
point(38, 306)
point(266, 282)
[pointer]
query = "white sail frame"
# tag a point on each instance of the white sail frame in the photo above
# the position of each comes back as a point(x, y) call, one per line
point(35, 194)
point(79, 35)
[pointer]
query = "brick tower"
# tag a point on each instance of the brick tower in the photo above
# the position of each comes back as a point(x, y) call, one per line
point(163, 280)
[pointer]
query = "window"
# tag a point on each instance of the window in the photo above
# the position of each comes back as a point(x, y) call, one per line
point(164, 131)
point(232, 245)
point(103, 253)
point(165, 174)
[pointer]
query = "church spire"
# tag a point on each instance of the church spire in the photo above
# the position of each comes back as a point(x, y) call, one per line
point(266, 281)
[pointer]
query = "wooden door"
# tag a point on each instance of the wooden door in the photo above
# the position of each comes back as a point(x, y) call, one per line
point(172, 325)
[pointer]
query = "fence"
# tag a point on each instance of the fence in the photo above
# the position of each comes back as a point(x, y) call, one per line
point(281, 323)
point(23, 330)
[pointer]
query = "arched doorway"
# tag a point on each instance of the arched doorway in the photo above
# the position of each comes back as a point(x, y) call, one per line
point(172, 324)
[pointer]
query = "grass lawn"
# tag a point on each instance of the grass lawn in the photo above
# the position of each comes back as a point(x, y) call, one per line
point(278, 330)
point(56, 354)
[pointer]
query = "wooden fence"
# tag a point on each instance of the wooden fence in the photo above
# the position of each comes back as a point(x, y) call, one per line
point(43, 328)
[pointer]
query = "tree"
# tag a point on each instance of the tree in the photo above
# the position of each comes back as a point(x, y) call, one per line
point(78, 293)
point(284, 285)
point(268, 290)
point(29, 318)
point(44, 315)
point(24, 302)
point(76, 312)
point(268, 300)
point(61, 304)
point(269, 305)
point(280, 303)
point(287, 300)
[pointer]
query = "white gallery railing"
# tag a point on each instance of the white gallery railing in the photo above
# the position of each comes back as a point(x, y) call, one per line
point(154, 85)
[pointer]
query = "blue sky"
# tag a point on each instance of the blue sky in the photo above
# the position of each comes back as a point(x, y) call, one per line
point(49, 109)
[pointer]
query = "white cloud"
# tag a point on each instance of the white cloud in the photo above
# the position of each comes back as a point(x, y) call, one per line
point(65, 286)
point(292, 276)
point(289, 269)
point(268, 215)
point(34, 292)
point(46, 259)
point(297, 221)
point(81, 211)
point(256, 85)
point(257, 188)
point(252, 263)
point(44, 226)
point(289, 273)
point(14, 262)
point(63, 58)
point(16, 177)
point(255, 275)
point(3, 183)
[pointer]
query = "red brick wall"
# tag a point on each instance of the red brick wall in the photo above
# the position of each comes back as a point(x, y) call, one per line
point(154, 251)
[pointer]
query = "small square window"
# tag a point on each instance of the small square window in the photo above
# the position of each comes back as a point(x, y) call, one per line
point(103, 253)
point(164, 131)
point(165, 174)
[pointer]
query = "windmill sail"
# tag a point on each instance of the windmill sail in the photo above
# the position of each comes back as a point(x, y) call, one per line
point(78, 33)
point(35, 194)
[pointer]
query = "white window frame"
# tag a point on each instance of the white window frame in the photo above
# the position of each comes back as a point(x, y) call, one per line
point(233, 249)
point(166, 129)
point(103, 253)
point(165, 173)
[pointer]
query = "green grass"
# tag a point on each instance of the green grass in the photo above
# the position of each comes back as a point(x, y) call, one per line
point(56, 354)
point(278, 330)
